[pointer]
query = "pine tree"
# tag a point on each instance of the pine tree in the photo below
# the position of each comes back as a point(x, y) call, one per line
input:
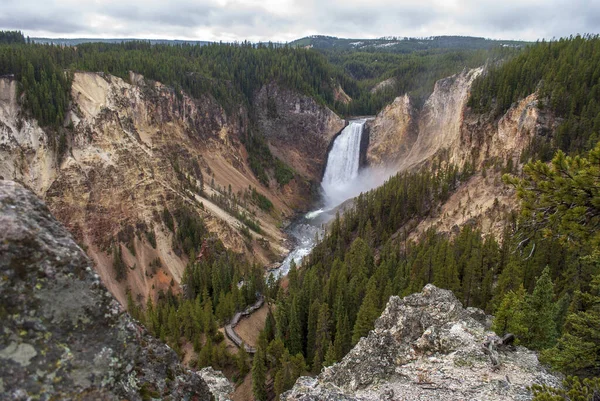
point(295, 333)
point(578, 349)
point(270, 326)
point(330, 357)
point(343, 338)
point(241, 361)
point(322, 338)
point(311, 335)
point(279, 382)
point(281, 321)
point(573, 388)
point(367, 314)
point(118, 264)
point(562, 199)
point(446, 271)
point(205, 355)
point(275, 351)
point(510, 316)
point(259, 375)
point(293, 277)
point(540, 311)
point(210, 326)
point(510, 279)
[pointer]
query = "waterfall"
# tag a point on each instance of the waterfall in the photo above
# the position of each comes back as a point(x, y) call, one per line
point(341, 181)
point(342, 164)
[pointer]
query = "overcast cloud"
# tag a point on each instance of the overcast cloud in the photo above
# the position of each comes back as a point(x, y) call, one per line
point(284, 20)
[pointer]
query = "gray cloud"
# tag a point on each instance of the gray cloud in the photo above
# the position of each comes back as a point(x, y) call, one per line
point(288, 19)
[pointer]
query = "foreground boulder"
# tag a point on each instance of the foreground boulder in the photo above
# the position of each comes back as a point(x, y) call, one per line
point(62, 335)
point(428, 347)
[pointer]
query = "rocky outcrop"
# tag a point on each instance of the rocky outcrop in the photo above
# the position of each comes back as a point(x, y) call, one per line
point(392, 133)
point(218, 384)
point(298, 129)
point(384, 85)
point(63, 335)
point(428, 347)
point(440, 120)
point(483, 139)
point(339, 95)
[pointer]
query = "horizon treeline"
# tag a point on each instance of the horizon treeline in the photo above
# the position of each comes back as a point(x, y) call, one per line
point(232, 73)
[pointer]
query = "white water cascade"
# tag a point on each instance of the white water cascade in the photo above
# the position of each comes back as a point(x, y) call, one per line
point(339, 183)
point(342, 164)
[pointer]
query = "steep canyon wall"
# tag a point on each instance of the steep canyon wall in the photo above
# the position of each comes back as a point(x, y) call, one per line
point(136, 147)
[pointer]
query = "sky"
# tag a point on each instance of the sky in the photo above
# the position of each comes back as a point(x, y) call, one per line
point(286, 20)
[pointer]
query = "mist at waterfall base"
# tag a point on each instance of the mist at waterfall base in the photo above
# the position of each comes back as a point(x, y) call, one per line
point(341, 181)
point(367, 179)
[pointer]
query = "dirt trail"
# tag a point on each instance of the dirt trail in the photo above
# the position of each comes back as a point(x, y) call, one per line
point(249, 327)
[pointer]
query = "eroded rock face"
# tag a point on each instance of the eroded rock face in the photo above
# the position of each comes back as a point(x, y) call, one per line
point(405, 137)
point(63, 336)
point(132, 149)
point(25, 151)
point(428, 347)
point(297, 127)
point(440, 120)
point(392, 133)
point(445, 129)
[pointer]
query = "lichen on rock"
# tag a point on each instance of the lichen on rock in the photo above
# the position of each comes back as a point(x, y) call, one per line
point(63, 336)
point(219, 385)
point(426, 346)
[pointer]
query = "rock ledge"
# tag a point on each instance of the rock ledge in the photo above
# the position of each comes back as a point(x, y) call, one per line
point(428, 347)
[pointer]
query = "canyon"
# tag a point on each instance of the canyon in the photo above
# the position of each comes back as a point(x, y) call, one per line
point(136, 148)
point(136, 145)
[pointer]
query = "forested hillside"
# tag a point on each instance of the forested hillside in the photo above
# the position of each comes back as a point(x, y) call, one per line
point(233, 72)
point(566, 75)
point(405, 45)
point(414, 73)
point(404, 65)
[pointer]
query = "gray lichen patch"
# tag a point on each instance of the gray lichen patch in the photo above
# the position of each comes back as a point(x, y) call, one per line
point(20, 353)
